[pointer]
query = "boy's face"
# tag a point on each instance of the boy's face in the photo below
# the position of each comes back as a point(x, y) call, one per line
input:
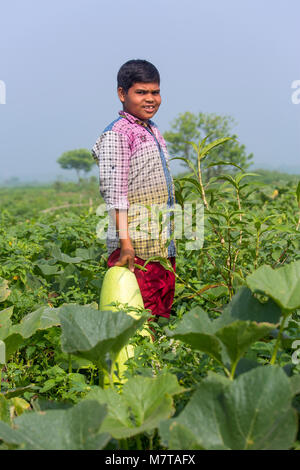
point(142, 100)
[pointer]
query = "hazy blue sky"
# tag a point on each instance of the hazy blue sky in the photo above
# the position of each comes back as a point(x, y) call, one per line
point(59, 61)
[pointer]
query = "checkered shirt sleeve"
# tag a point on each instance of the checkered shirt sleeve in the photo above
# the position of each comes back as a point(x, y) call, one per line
point(112, 153)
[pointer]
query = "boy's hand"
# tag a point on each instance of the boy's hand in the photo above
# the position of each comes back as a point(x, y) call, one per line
point(126, 256)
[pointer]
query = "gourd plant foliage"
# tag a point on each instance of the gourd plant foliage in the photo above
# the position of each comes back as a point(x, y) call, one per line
point(98, 337)
point(254, 411)
point(249, 407)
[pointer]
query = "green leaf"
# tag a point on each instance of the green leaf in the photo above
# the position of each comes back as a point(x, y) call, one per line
point(214, 144)
point(12, 343)
point(145, 401)
point(190, 164)
point(177, 436)
point(222, 338)
point(16, 392)
point(221, 162)
point(2, 353)
point(76, 428)
point(96, 335)
point(295, 384)
point(59, 256)
point(194, 182)
point(5, 322)
point(193, 145)
point(41, 319)
point(253, 412)
point(298, 194)
point(4, 410)
point(48, 269)
point(244, 306)
point(88, 253)
point(238, 337)
point(197, 330)
point(282, 284)
point(4, 290)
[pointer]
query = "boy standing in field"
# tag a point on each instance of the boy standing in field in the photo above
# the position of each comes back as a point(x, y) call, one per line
point(135, 177)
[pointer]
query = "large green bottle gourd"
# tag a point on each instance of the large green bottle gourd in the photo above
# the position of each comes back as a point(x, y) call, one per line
point(120, 285)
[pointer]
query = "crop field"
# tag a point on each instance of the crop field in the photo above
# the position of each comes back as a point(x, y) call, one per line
point(222, 373)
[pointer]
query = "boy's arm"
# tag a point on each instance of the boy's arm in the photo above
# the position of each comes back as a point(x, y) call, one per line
point(112, 153)
point(127, 251)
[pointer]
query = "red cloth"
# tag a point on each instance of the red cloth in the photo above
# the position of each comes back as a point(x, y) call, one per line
point(157, 285)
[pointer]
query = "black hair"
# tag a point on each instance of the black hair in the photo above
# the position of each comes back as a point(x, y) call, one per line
point(135, 71)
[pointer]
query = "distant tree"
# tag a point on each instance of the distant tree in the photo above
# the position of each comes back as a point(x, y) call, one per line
point(191, 127)
point(80, 159)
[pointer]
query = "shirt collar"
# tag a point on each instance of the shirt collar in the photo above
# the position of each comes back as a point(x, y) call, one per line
point(135, 120)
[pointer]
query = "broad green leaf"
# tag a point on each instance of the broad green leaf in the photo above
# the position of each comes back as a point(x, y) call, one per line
point(295, 384)
point(253, 412)
point(8, 337)
point(49, 269)
point(245, 365)
point(12, 343)
point(96, 335)
point(4, 290)
point(222, 338)
point(4, 410)
point(177, 436)
point(40, 319)
point(244, 306)
point(197, 330)
point(76, 428)
point(88, 253)
point(5, 322)
point(238, 337)
point(59, 256)
point(282, 284)
point(145, 401)
point(2, 353)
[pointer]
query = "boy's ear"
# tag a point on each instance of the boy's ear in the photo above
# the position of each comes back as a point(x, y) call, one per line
point(121, 94)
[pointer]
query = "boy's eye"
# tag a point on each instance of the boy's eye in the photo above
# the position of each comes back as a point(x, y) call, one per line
point(144, 92)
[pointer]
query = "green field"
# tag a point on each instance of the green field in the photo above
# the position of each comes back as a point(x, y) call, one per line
point(223, 373)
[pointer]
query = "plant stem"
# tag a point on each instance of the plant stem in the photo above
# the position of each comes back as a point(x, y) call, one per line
point(233, 369)
point(139, 442)
point(201, 183)
point(151, 442)
point(274, 355)
point(256, 250)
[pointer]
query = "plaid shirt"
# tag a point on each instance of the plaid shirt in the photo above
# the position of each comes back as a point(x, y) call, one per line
point(134, 174)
